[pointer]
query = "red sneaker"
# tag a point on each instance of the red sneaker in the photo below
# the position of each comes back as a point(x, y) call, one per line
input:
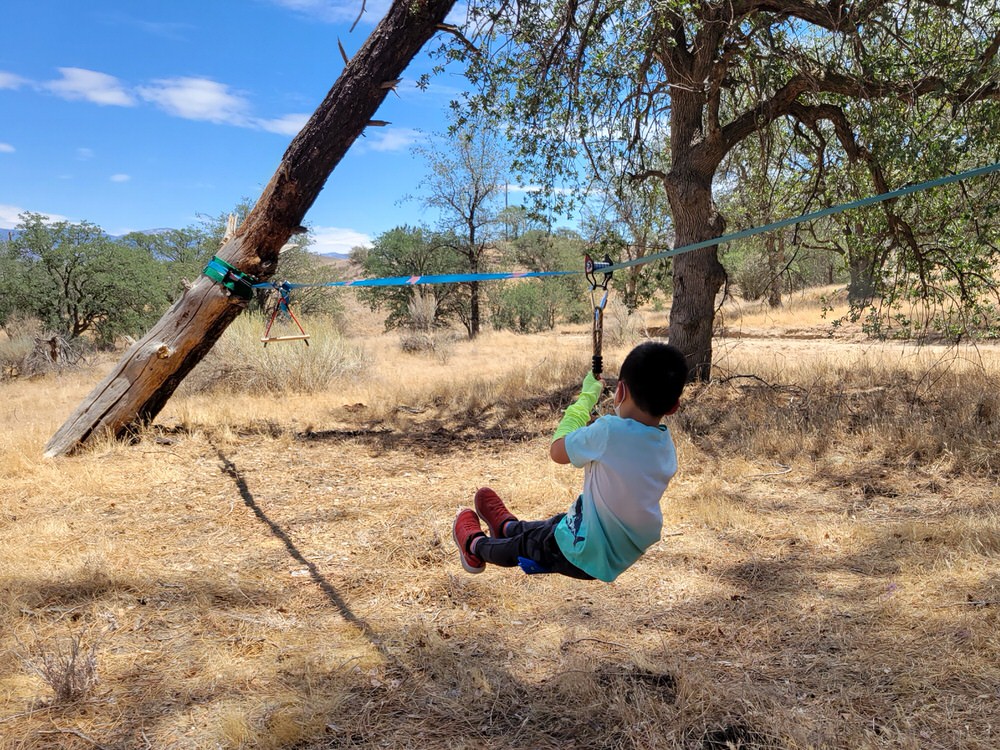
point(463, 531)
point(491, 509)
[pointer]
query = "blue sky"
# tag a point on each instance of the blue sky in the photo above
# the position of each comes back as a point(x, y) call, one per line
point(139, 116)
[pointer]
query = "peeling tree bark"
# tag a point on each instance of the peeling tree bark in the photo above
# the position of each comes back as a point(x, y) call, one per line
point(142, 382)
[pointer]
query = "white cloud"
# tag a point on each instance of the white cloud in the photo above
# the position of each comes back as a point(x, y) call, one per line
point(11, 81)
point(10, 216)
point(191, 98)
point(120, 177)
point(537, 189)
point(6, 148)
point(197, 99)
point(336, 240)
point(89, 85)
point(84, 154)
point(332, 11)
point(286, 125)
point(390, 139)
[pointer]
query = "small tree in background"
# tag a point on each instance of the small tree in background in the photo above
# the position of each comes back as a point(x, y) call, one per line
point(464, 185)
point(537, 304)
point(632, 222)
point(77, 280)
point(403, 251)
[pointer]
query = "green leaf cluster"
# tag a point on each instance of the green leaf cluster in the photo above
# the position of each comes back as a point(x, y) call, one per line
point(77, 281)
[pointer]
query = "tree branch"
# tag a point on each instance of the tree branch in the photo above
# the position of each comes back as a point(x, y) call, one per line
point(766, 112)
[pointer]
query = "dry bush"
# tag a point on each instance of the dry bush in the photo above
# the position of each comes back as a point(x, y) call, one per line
point(68, 666)
point(907, 414)
point(438, 344)
point(622, 328)
point(421, 337)
point(12, 354)
point(27, 350)
point(50, 353)
point(422, 308)
point(240, 363)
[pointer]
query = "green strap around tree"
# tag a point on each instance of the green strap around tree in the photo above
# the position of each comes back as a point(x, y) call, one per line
point(233, 279)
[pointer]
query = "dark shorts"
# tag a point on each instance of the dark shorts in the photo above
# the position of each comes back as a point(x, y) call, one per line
point(532, 540)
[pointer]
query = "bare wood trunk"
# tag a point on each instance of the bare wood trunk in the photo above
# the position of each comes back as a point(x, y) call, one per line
point(148, 374)
point(697, 276)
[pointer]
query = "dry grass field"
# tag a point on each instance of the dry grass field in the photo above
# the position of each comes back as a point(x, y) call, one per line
point(275, 570)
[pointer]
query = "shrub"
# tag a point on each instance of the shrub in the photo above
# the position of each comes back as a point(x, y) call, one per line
point(529, 306)
point(69, 668)
point(240, 363)
point(12, 354)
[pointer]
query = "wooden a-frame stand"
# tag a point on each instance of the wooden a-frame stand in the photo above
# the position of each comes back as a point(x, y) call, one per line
point(283, 304)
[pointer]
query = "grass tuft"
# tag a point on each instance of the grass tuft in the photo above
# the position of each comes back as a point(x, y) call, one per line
point(241, 363)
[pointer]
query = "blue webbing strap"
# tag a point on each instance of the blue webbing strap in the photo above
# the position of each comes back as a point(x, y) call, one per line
point(459, 278)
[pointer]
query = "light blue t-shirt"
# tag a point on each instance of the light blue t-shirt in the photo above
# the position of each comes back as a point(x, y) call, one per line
point(626, 469)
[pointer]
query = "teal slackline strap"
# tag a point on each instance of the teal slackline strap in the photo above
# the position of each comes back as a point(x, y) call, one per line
point(447, 278)
point(458, 278)
point(840, 208)
point(239, 283)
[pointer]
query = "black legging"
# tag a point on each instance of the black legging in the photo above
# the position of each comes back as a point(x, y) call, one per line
point(532, 540)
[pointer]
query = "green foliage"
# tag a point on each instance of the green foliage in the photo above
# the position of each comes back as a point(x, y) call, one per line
point(526, 306)
point(77, 280)
point(537, 304)
point(183, 253)
point(632, 222)
point(405, 251)
point(14, 294)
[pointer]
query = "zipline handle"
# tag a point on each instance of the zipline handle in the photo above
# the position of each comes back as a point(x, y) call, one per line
point(590, 269)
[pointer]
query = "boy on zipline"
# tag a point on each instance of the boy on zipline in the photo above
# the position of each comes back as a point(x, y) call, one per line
point(628, 459)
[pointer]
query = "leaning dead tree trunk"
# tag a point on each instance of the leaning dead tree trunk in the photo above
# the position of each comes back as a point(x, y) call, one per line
point(142, 382)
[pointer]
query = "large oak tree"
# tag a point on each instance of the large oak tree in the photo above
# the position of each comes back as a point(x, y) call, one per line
point(671, 87)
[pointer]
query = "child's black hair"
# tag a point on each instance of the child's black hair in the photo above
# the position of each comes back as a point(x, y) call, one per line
point(655, 374)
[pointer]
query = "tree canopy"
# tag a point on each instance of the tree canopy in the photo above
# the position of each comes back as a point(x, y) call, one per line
point(77, 281)
point(666, 91)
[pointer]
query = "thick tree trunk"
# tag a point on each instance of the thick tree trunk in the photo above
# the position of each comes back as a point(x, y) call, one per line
point(861, 286)
point(698, 276)
point(142, 382)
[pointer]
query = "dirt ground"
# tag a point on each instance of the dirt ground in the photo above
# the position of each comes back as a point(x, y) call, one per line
point(287, 579)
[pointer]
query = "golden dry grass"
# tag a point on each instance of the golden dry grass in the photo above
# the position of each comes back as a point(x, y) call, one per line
point(277, 571)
